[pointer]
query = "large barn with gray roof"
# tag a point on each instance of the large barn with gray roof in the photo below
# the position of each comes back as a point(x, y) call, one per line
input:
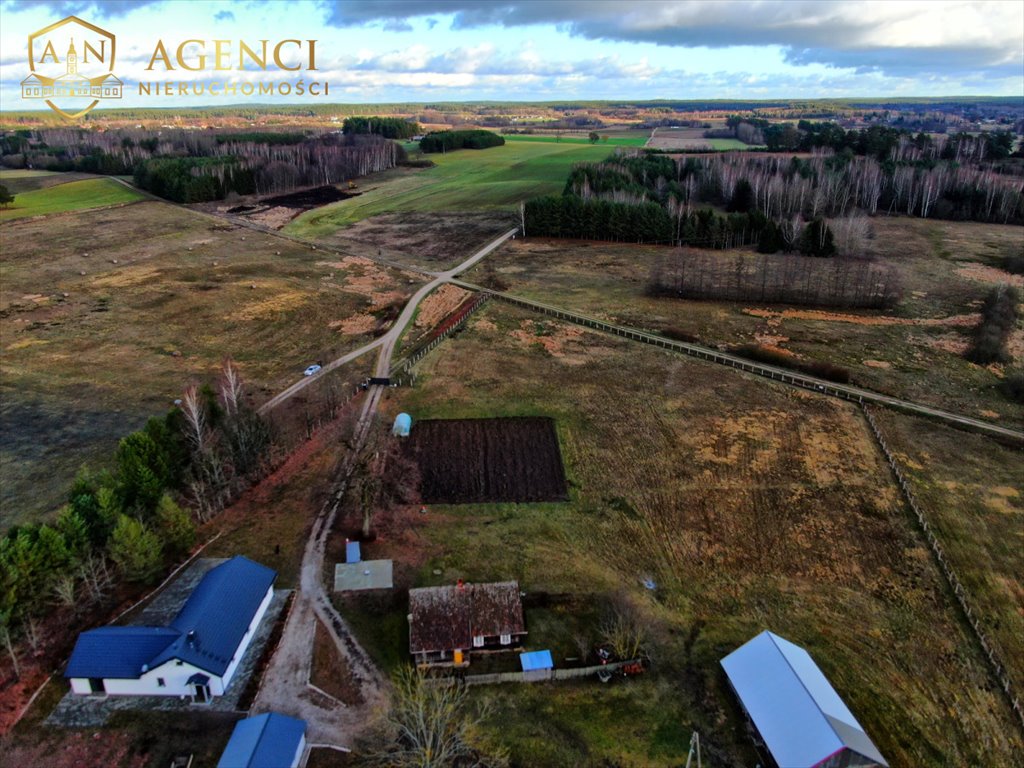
point(796, 712)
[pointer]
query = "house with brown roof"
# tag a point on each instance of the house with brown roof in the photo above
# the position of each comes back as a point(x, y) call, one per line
point(447, 624)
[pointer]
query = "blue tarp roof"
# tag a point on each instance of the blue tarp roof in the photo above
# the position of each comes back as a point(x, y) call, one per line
point(118, 652)
point(536, 660)
point(403, 423)
point(264, 741)
point(352, 554)
point(218, 612)
point(795, 709)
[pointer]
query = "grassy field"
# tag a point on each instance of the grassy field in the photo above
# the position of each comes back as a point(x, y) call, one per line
point(130, 305)
point(972, 491)
point(612, 141)
point(913, 351)
point(499, 177)
point(72, 196)
point(751, 506)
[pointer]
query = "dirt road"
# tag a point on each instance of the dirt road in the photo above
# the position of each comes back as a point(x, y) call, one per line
point(285, 687)
point(388, 341)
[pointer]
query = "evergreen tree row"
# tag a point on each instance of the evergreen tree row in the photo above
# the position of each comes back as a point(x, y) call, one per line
point(447, 141)
point(388, 127)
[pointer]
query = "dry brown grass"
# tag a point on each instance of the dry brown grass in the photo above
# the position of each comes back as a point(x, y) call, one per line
point(122, 340)
point(920, 341)
point(752, 506)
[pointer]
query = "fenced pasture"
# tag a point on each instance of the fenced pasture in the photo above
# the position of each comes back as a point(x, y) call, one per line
point(495, 179)
point(748, 504)
point(487, 460)
point(71, 196)
point(913, 350)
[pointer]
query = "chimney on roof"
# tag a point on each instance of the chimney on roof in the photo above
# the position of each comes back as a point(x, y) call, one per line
point(190, 638)
point(460, 585)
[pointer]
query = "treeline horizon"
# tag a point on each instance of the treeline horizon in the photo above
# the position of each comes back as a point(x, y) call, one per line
point(393, 107)
point(199, 166)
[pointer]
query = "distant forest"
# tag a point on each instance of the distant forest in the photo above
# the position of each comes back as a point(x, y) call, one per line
point(657, 198)
point(198, 166)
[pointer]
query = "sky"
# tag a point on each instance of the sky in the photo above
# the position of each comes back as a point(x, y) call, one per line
point(543, 50)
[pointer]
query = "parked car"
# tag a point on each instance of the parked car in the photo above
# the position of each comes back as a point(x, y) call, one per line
point(311, 370)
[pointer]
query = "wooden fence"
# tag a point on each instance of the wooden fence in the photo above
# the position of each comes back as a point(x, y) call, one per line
point(570, 673)
point(842, 391)
point(959, 592)
point(402, 373)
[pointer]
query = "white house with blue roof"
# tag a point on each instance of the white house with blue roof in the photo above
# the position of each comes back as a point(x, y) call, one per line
point(796, 711)
point(195, 656)
point(265, 741)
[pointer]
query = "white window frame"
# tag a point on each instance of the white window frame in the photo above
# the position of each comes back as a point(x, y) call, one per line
point(505, 639)
point(478, 641)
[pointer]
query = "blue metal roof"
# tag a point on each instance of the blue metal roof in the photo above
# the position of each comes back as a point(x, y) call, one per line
point(216, 615)
point(264, 741)
point(206, 632)
point(118, 652)
point(795, 709)
point(536, 660)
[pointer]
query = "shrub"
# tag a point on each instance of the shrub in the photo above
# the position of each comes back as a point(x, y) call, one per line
point(819, 368)
point(672, 332)
point(1013, 387)
point(998, 319)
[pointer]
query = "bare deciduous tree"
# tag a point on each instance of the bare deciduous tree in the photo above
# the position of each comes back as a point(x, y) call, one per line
point(432, 724)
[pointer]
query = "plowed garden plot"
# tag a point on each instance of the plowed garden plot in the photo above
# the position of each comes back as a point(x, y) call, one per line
point(488, 460)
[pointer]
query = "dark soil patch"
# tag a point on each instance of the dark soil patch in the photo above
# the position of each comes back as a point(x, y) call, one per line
point(310, 198)
point(488, 460)
point(432, 238)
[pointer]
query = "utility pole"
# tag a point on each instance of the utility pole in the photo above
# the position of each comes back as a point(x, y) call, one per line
point(694, 747)
point(522, 216)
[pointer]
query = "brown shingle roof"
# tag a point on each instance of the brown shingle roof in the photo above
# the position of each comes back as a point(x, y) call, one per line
point(444, 618)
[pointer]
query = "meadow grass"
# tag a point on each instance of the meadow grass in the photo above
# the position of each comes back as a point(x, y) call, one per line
point(495, 178)
point(73, 196)
point(106, 316)
point(912, 351)
point(613, 141)
point(971, 490)
point(751, 505)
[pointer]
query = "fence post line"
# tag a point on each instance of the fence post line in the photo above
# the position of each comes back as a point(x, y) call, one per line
point(959, 593)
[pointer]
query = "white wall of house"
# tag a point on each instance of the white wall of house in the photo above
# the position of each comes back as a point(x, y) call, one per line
point(218, 686)
point(174, 674)
point(298, 754)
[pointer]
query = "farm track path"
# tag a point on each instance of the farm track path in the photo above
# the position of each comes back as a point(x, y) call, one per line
point(285, 685)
